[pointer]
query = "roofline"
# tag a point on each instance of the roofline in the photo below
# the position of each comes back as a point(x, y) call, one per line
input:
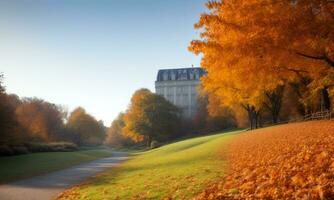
point(180, 68)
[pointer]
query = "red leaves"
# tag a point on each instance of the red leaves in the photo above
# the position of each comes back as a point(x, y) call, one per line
point(294, 161)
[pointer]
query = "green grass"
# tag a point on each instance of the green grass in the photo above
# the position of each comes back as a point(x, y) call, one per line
point(25, 166)
point(179, 170)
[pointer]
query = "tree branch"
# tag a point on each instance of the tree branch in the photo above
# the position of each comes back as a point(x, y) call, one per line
point(311, 57)
point(329, 61)
point(329, 86)
point(323, 57)
point(297, 71)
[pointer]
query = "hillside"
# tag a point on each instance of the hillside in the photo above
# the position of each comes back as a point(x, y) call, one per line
point(294, 161)
point(177, 171)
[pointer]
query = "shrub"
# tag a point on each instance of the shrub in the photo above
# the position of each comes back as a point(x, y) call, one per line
point(5, 150)
point(155, 144)
point(37, 147)
point(33, 147)
point(52, 147)
point(63, 146)
point(20, 150)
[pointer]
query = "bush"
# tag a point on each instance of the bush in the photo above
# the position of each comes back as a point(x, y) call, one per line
point(5, 150)
point(52, 147)
point(63, 146)
point(20, 150)
point(155, 144)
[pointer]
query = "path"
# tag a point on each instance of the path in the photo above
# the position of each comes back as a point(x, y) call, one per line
point(48, 186)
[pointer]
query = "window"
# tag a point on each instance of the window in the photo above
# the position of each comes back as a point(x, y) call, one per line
point(197, 75)
point(165, 76)
point(173, 76)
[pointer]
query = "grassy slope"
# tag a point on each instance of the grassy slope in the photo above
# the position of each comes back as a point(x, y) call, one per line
point(24, 166)
point(179, 170)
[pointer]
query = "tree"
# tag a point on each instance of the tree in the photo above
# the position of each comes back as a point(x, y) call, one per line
point(273, 102)
point(150, 117)
point(200, 120)
point(254, 47)
point(43, 121)
point(10, 132)
point(86, 130)
point(2, 87)
point(210, 116)
point(115, 136)
point(300, 88)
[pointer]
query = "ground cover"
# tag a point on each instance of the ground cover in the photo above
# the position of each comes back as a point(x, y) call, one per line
point(293, 161)
point(175, 171)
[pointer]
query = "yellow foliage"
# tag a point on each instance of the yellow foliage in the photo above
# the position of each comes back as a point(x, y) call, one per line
point(249, 47)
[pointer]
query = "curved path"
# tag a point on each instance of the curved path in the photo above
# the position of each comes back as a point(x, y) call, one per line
point(48, 186)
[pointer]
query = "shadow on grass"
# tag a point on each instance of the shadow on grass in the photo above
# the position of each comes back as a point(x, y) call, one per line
point(70, 176)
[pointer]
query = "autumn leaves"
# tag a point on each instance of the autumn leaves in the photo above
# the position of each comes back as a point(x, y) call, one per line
point(252, 48)
point(284, 162)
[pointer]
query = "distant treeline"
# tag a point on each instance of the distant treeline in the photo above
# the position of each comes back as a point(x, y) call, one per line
point(35, 125)
point(27, 124)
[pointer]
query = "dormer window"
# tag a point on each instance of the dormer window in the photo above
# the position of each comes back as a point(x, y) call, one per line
point(180, 74)
point(173, 76)
point(165, 76)
point(191, 75)
point(183, 75)
point(197, 75)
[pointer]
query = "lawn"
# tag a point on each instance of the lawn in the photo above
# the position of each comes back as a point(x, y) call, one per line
point(25, 166)
point(179, 171)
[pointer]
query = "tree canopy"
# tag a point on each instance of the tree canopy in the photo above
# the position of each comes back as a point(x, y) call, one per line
point(9, 126)
point(85, 128)
point(41, 120)
point(115, 136)
point(150, 117)
point(252, 48)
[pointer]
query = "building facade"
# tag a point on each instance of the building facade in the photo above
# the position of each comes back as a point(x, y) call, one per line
point(179, 86)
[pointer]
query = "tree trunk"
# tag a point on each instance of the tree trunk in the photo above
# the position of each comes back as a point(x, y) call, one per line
point(149, 141)
point(260, 121)
point(325, 100)
point(299, 88)
point(257, 118)
point(250, 115)
point(274, 102)
point(253, 116)
point(250, 118)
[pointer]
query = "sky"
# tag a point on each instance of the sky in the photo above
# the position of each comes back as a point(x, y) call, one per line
point(93, 54)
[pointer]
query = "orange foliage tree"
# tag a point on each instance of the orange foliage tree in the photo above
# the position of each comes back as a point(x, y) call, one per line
point(115, 136)
point(86, 129)
point(40, 119)
point(251, 48)
point(10, 132)
point(210, 116)
point(150, 117)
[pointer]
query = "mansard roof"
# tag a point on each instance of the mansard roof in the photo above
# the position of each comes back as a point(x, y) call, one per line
point(193, 73)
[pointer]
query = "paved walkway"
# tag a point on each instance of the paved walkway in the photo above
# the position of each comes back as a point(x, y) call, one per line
point(48, 186)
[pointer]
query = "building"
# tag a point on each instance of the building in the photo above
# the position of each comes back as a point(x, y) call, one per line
point(179, 86)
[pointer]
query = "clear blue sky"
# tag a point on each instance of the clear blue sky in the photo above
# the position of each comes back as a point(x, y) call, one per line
point(93, 54)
